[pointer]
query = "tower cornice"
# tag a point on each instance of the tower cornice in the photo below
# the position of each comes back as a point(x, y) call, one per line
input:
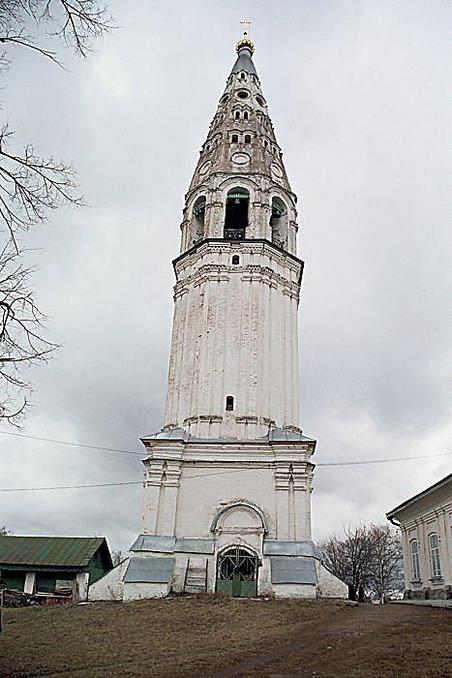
point(240, 244)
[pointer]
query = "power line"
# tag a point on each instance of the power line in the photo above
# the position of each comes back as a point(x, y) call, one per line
point(382, 461)
point(220, 473)
point(69, 487)
point(65, 442)
point(333, 463)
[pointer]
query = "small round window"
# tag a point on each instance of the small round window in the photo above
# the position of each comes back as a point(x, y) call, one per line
point(243, 94)
point(260, 101)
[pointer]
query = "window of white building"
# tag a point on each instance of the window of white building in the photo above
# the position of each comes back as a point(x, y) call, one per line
point(435, 562)
point(415, 571)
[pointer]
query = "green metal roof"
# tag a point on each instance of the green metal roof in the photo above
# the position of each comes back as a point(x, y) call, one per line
point(53, 551)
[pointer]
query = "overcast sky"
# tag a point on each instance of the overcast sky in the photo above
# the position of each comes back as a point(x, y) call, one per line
point(357, 95)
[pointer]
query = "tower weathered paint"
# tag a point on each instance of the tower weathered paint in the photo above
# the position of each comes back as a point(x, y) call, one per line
point(228, 479)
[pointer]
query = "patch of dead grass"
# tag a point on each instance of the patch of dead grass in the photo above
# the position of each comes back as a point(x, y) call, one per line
point(213, 635)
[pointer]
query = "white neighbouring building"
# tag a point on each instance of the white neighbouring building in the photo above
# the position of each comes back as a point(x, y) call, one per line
point(425, 521)
point(228, 479)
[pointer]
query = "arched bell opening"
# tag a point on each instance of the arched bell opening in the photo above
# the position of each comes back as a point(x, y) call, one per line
point(236, 218)
point(237, 570)
point(278, 222)
point(198, 219)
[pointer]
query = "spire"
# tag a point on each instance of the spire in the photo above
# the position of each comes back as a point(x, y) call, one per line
point(241, 150)
point(244, 60)
point(245, 51)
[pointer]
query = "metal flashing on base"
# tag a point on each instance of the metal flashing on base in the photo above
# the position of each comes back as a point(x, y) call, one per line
point(148, 542)
point(293, 570)
point(158, 544)
point(184, 545)
point(291, 548)
point(149, 570)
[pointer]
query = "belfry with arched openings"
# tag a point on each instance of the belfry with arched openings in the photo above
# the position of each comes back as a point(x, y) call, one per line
point(228, 478)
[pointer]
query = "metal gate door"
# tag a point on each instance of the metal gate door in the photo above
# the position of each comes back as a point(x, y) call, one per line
point(237, 573)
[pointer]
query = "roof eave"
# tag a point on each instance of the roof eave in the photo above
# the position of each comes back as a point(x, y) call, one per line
point(393, 513)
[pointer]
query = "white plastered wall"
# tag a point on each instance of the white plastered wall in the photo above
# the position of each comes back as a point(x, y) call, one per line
point(138, 591)
point(430, 514)
point(201, 497)
point(234, 333)
point(328, 585)
point(110, 586)
point(181, 497)
point(294, 591)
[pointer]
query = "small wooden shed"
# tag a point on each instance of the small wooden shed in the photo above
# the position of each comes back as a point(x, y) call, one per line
point(53, 567)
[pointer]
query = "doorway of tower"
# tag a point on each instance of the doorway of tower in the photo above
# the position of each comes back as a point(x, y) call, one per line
point(237, 572)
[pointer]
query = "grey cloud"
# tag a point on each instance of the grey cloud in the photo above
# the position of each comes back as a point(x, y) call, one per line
point(356, 93)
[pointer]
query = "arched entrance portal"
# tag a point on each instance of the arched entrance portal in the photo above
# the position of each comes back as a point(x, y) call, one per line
point(237, 572)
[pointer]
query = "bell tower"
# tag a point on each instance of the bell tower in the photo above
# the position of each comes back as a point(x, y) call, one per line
point(234, 357)
point(228, 478)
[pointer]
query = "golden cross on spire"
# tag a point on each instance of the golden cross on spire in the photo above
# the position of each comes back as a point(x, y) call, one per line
point(245, 40)
point(246, 27)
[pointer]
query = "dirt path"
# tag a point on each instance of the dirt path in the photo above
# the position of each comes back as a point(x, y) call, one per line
point(394, 640)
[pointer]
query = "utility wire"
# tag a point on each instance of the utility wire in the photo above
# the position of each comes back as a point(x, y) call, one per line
point(65, 442)
point(381, 461)
point(69, 487)
point(220, 473)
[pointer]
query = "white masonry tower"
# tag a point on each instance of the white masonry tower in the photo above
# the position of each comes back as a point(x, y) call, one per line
point(228, 479)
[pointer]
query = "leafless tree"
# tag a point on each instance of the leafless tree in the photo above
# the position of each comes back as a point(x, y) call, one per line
point(386, 572)
point(348, 558)
point(366, 558)
point(32, 186)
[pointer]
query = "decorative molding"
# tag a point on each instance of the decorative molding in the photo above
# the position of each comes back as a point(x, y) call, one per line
point(236, 504)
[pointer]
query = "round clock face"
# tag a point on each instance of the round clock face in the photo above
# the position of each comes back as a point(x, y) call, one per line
point(205, 168)
point(276, 170)
point(240, 158)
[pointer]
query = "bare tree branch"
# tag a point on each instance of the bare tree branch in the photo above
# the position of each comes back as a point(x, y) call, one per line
point(78, 22)
point(85, 21)
point(32, 186)
point(22, 340)
point(25, 41)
